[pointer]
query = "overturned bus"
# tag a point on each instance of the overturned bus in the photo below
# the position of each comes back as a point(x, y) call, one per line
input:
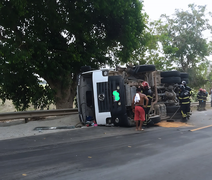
point(105, 95)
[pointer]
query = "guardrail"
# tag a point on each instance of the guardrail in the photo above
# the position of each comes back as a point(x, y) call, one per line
point(44, 113)
point(32, 114)
point(196, 103)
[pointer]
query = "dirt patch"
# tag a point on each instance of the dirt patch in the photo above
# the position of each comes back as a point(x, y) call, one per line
point(9, 107)
point(172, 124)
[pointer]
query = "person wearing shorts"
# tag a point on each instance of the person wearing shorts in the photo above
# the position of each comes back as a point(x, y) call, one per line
point(138, 108)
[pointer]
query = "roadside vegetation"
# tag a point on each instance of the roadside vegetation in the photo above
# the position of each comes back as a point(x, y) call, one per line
point(8, 106)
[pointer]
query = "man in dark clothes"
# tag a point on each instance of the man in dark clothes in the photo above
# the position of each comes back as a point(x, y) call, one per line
point(148, 92)
point(184, 98)
point(200, 95)
point(205, 96)
point(189, 89)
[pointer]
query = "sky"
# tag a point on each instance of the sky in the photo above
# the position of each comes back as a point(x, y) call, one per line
point(154, 8)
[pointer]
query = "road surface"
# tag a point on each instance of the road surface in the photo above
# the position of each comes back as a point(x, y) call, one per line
point(109, 153)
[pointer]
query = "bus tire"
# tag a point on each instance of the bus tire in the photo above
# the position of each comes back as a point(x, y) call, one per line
point(170, 80)
point(183, 74)
point(144, 68)
point(153, 120)
point(170, 74)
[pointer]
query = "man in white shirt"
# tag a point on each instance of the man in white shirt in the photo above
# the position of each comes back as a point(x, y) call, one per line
point(210, 92)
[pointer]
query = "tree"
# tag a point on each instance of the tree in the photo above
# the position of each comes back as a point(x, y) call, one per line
point(53, 39)
point(183, 42)
point(146, 44)
point(152, 52)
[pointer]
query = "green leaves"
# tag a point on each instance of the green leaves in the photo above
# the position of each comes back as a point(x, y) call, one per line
point(183, 44)
point(183, 36)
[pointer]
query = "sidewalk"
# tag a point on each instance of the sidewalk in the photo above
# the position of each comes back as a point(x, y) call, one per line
point(18, 128)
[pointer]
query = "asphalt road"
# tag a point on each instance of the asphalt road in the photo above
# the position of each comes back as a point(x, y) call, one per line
point(109, 153)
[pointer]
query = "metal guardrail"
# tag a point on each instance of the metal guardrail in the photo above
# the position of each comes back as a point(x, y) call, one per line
point(32, 114)
point(196, 103)
point(44, 113)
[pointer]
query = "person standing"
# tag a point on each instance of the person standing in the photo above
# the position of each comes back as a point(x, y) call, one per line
point(200, 99)
point(204, 99)
point(138, 108)
point(148, 92)
point(188, 89)
point(210, 92)
point(184, 99)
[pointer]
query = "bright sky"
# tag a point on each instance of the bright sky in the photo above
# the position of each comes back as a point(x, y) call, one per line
point(154, 8)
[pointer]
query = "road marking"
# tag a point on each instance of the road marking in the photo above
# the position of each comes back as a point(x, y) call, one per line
point(201, 128)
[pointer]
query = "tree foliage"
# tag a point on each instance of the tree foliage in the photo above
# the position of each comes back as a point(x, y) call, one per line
point(183, 42)
point(151, 53)
point(53, 39)
point(154, 54)
point(148, 45)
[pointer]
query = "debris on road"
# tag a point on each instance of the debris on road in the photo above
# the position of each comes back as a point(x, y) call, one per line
point(53, 128)
point(172, 124)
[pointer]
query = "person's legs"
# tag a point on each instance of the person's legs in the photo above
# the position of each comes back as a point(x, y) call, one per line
point(141, 117)
point(136, 116)
point(203, 104)
point(183, 112)
point(189, 108)
point(140, 126)
point(199, 106)
point(136, 122)
point(146, 116)
point(188, 111)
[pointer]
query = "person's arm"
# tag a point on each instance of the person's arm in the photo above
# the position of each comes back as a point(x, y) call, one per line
point(198, 95)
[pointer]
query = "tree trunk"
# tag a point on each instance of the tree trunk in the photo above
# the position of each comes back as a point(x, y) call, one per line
point(64, 96)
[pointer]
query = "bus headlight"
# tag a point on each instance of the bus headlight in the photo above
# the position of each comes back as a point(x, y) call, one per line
point(105, 73)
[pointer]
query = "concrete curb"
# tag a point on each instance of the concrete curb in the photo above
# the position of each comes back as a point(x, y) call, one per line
point(17, 129)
